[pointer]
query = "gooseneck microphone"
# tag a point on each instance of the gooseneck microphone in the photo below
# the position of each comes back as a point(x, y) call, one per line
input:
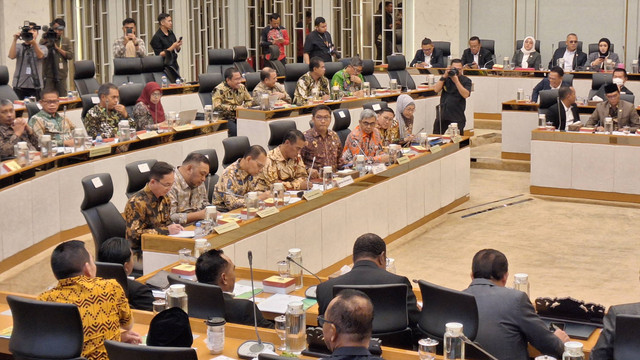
point(311, 290)
point(311, 168)
point(478, 347)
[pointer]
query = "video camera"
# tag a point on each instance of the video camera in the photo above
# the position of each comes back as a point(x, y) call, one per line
point(49, 32)
point(25, 33)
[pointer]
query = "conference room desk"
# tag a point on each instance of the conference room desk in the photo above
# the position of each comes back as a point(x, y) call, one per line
point(388, 204)
point(563, 163)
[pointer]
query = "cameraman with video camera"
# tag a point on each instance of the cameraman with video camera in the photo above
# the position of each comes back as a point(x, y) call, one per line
point(456, 88)
point(27, 79)
point(60, 51)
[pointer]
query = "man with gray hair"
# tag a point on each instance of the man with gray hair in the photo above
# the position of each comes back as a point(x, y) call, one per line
point(14, 130)
point(103, 118)
point(365, 140)
point(269, 85)
point(350, 78)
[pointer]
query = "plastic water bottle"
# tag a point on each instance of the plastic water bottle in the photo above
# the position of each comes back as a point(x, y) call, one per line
point(165, 82)
point(453, 343)
point(198, 233)
point(296, 339)
point(573, 351)
point(360, 165)
point(177, 297)
point(98, 140)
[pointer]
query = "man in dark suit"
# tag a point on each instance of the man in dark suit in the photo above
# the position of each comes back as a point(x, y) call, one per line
point(564, 114)
point(622, 113)
point(552, 81)
point(215, 268)
point(619, 77)
point(604, 347)
point(476, 56)
point(506, 317)
point(369, 268)
point(573, 57)
point(428, 56)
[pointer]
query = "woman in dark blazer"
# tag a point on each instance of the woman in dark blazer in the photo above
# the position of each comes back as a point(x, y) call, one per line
point(527, 56)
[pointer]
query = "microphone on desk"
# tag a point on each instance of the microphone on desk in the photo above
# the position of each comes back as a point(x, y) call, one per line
point(311, 168)
point(311, 290)
point(356, 143)
point(478, 347)
point(251, 348)
point(490, 61)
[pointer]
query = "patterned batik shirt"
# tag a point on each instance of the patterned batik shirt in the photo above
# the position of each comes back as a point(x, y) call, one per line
point(146, 214)
point(291, 173)
point(371, 144)
point(305, 86)
point(103, 122)
point(390, 135)
point(261, 88)
point(44, 123)
point(185, 199)
point(103, 307)
point(327, 150)
point(8, 138)
point(226, 100)
point(232, 186)
point(120, 49)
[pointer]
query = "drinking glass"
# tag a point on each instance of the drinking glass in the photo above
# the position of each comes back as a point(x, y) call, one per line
point(159, 305)
point(281, 330)
point(427, 349)
point(287, 197)
point(283, 268)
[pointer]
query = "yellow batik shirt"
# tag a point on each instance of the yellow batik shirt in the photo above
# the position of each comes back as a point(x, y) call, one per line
point(291, 173)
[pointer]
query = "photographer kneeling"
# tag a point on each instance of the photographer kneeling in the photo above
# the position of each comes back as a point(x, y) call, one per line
point(60, 51)
point(27, 79)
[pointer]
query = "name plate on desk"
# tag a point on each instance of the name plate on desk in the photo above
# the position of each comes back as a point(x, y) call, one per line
point(268, 212)
point(456, 139)
point(403, 160)
point(221, 229)
point(435, 149)
point(148, 134)
point(313, 194)
point(378, 168)
point(183, 127)
point(11, 165)
point(344, 181)
point(99, 151)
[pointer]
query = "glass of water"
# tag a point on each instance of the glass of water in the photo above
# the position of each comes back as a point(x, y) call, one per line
point(281, 330)
point(427, 349)
point(283, 268)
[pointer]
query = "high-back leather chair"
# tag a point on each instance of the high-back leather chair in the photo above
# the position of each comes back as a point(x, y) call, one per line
point(84, 77)
point(597, 80)
point(628, 97)
point(252, 79)
point(536, 45)
point(568, 78)
point(138, 175)
point(204, 300)
point(220, 60)
point(126, 70)
point(397, 69)
point(122, 351)
point(489, 45)
point(626, 345)
point(341, 123)
point(6, 91)
point(88, 101)
point(375, 105)
point(331, 68)
point(212, 178)
point(367, 74)
point(548, 98)
point(594, 48)
point(103, 218)
point(208, 82)
point(129, 94)
point(32, 108)
point(445, 48)
point(114, 271)
point(153, 69)
point(278, 130)
point(273, 62)
point(240, 56)
point(234, 149)
point(293, 72)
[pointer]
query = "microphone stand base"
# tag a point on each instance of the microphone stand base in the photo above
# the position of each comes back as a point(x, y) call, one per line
point(251, 348)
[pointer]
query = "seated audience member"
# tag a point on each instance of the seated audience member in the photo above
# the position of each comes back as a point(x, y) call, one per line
point(455, 89)
point(188, 195)
point(619, 77)
point(527, 56)
point(269, 85)
point(323, 144)
point(148, 112)
point(13, 131)
point(364, 140)
point(49, 121)
point(507, 320)
point(598, 59)
point(228, 96)
point(623, 113)
point(388, 127)
point(312, 80)
point(347, 326)
point(573, 58)
point(350, 79)
point(214, 267)
point(369, 268)
point(475, 56)
point(117, 250)
point(103, 306)
point(405, 107)
point(564, 115)
point(103, 118)
point(603, 350)
point(552, 81)
point(128, 45)
point(428, 56)
point(274, 34)
point(148, 210)
point(285, 165)
point(240, 178)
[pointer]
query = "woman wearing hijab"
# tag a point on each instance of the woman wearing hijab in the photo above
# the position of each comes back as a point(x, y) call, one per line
point(597, 59)
point(405, 108)
point(148, 112)
point(527, 56)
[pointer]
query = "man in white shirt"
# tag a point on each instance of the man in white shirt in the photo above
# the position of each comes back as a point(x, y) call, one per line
point(564, 115)
point(573, 58)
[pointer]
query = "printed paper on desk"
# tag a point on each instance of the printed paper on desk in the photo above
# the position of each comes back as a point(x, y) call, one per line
point(185, 234)
point(144, 167)
point(97, 183)
point(277, 303)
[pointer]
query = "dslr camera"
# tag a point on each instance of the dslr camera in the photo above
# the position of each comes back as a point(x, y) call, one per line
point(25, 34)
point(453, 71)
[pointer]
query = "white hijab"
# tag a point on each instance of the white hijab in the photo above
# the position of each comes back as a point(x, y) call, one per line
point(526, 53)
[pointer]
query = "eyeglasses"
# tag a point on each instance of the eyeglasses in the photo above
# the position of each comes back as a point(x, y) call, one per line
point(573, 41)
point(368, 123)
point(156, 94)
point(323, 118)
point(50, 102)
point(322, 321)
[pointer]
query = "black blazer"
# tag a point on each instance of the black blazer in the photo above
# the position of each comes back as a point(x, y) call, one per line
point(533, 61)
point(140, 295)
point(560, 121)
point(484, 56)
point(366, 272)
point(437, 60)
point(579, 58)
point(240, 311)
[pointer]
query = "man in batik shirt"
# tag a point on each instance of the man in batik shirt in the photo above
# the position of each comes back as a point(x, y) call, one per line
point(269, 85)
point(103, 118)
point(188, 195)
point(49, 121)
point(388, 126)
point(228, 96)
point(285, 165)
point(322, 143)
point(13, 131)
point(365, 139)
point(312, 81)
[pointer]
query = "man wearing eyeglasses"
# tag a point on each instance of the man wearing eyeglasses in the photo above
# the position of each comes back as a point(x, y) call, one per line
point(365, 140)
point(572, 57)
point(350, 78)
point(13, 131)
point(49, 121)
point(323, 144)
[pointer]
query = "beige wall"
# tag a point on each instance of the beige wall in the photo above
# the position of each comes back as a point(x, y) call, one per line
point(438, 20)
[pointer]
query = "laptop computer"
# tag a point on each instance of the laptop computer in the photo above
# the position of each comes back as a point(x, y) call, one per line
point(187, 116)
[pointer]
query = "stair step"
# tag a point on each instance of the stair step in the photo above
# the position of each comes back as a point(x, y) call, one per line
point(487, 124)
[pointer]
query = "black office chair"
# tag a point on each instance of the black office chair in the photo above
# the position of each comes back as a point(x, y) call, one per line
point(32, 108)
point(548, 98)
point(107, 270)
point(129, 94)
point(367, 74)
point(220, 60)
point(597, 80)
point(278, 130)
point(234, 149)
point(594, 48)
point(122, 351)
point(138, 175)
point(375, 105)
point(6, 91)
point(208, 82)
point(563, 44)
point(345, 62)
point(628, 97)
point(205, 300)
point(626, 345)
point(240, 56)
point(445, 48)
point(331, 68)
point(536, 45)
point(489, 45)
point(293, 72)
point(273, 62)
point(568, 78)
point(45, 330)
point(126, 70)
point(153, 69)
point(88, 101)
point(397, 69)
point(103, 218)
point(390, 319)
point(84, 77)
point(252, 80)
point(212, 178)
point(341, 123)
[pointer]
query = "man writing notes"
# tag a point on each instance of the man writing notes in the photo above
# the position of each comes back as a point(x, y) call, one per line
point(323, 144)
point(428, 56)
point(285, 165)
point(269, 85)
point(188, 194)
point(364, 140)
point(622, 112)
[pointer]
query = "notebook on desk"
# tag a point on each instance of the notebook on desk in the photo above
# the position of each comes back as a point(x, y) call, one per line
point(575, 329)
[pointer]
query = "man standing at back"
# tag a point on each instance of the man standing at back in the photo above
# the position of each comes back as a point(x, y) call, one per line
point(507, 320)
point(103, 306)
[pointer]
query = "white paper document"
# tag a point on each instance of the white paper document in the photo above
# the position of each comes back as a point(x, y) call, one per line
point(277, 303)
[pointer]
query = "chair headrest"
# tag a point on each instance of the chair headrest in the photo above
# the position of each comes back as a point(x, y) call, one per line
point(4, 75)
point(220, 56)
point(274, 52)
point(126, 66)
point(396, 62)
point(152, 64)
point(208, 81)
point(98, 190)
point(129, 93)
point(367, 67)
point(84, 69)
point(293, 72)
point(240, 53)
point(170, 327)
